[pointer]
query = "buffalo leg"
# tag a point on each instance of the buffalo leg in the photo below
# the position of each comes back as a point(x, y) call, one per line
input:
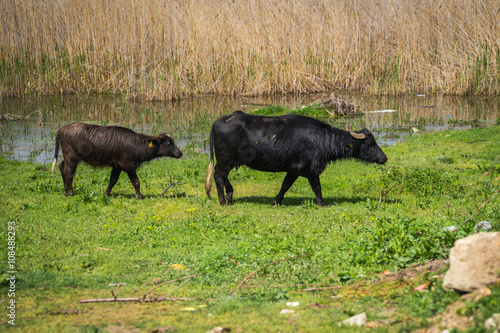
point(229, 190)
point(68, 171)
point(136, 183)
point(287, 183)
point(316, 187)
point(115, 174)
point(221, 181)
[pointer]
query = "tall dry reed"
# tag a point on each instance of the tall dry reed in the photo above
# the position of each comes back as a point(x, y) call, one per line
point(166, 49)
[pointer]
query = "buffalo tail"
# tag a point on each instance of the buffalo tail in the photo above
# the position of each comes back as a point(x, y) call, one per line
point(55, 154)
point(208, 182)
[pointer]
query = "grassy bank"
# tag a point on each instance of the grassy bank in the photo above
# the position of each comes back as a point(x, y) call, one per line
point(166, 50)
point(380, 218)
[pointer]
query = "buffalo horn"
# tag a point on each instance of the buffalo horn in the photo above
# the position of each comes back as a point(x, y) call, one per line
point(358, 136)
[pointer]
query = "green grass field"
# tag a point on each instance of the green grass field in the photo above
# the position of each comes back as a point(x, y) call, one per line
point(380, 218)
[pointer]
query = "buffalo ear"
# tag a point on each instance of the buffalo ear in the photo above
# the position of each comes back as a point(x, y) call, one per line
point(156, 141)
point(349, 144)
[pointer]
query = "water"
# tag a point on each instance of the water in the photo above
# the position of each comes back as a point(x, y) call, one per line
point(391, 119)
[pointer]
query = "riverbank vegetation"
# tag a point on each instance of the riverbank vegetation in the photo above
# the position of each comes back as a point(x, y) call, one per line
point(246, 261)
point(163, 50)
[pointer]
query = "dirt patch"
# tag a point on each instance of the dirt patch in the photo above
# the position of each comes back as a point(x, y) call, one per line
point(455, 316)
point(121, 329)
point(433, 266)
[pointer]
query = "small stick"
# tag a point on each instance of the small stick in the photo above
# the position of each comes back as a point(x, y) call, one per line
point(117, 285)
point(171, 185)
point(383, 194)
point(252, 273)
point(471, 217)
point(234, 262)
point(327, 279)
point(165, 296)
point(158, 286)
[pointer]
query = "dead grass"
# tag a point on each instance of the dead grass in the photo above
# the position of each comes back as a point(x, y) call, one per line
point(155, 49)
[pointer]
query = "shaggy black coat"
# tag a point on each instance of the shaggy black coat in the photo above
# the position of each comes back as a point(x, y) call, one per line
point(117, 147)
point(297, 145)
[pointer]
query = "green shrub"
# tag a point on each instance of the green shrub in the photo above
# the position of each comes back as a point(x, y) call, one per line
point(401, 241)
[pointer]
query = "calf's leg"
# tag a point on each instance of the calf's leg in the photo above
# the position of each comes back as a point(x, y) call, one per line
point(135, 183)
point(287, 183)
point(115, 174)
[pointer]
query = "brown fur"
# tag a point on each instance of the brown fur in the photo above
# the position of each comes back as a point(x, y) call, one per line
point(117, 147)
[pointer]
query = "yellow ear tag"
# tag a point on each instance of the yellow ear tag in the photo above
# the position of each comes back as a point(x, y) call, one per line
point(151, 144)
point(350, 145)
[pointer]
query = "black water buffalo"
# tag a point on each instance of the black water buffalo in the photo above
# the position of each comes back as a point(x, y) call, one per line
point(297, 145)
point(117, 147)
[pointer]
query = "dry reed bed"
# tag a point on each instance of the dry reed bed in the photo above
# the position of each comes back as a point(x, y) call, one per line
point(154, 49)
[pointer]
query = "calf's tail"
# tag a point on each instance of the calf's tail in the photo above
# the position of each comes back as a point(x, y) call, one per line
point(55, 154)
point(208, 182)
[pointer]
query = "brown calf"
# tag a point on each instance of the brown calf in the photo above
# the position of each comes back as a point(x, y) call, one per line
point(117, 147)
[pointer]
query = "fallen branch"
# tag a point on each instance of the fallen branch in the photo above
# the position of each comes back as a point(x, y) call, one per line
point(272, 263)
point(134, 299)
point(285, 286)
point(144, 298)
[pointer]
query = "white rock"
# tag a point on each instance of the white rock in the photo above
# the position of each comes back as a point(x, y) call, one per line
point(474, 262)
point(483, 225)
point(357, 320)
point(286, 311)
point(492, 322)
point(292, 304)
point(220, 329)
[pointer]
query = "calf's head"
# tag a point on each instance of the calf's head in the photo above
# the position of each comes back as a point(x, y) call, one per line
point(165, 146)
point(365, 148)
